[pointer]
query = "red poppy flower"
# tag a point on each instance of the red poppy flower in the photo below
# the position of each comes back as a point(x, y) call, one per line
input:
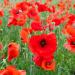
point(6, 2)
point(11, 21)
point(69, 28)
point(43, 45)
point(11, 70)
point(51, 9)
point(17, 17)
point(24, 6)
point(0, 22)
point(61, 5)
point(24, 34)
point(1, 46)
point(21, 7)
point(38, 60)
point(71, 18)
point(70, 45)
point(74, 6)
point(42, 7)
point(1, 71)
point(36, 26)
point(22, 72)
point(13, 51)
point(46, 64)
point(21, 20)
point(57, 21)
point(15, 12)
point(32, 13)
point(1, 13)
point(18, 20)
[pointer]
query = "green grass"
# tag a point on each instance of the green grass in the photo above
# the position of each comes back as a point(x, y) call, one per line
point(65, 61)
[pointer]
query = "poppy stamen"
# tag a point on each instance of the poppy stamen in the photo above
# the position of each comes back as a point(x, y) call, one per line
point(17, 12)
point(48, 63)
point(43, 42)
point(72, 43)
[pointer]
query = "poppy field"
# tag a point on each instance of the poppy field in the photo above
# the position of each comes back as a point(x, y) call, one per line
point(37, 37)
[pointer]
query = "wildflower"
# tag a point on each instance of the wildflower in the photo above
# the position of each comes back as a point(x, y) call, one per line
point(69, 28)
point(36, 26)
point(42, 7)
point(23, 6)
point(43, 45)
point(1, 13)
point(1, 46)
point(46, 64)
point(13, 51)
point(70, 44)
point(24, 34)
point(18, 20)
point(32, 13)
point(57, 21)
point(6, 2)
point(11, 70)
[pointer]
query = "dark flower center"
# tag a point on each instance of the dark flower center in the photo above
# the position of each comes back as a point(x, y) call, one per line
point(43, 42)
point(10, 45)
point(48, 63)
point(17, 12)
point(73, 43)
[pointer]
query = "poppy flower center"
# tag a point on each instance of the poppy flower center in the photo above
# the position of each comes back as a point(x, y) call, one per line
point(17, 12)
point(72, 43)
point(10, 45)
point(43, 42)
point(48, 63)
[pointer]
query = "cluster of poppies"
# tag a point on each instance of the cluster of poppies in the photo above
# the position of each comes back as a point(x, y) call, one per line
point(69, 31)
point(12, 53)
point(43, 47)
point(38, 31)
